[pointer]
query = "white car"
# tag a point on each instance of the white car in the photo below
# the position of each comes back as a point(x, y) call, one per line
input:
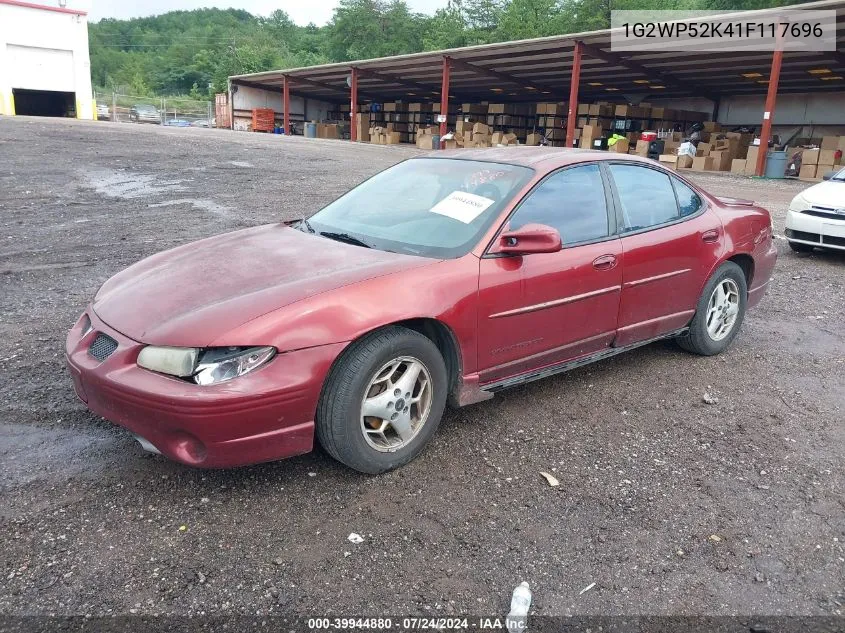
point(816, 216)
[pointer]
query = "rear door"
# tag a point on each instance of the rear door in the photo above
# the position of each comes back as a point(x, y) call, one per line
point(670, 241)
point(541, 309)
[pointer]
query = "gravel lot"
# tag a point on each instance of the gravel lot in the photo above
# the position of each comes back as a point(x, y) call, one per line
point(669, 505)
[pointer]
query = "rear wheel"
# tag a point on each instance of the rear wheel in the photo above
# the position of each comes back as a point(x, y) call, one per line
point(383, 400)
point(798, 247)
point(719, 313)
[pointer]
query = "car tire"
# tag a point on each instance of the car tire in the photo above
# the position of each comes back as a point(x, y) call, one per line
point(717, 322)
point(356, 385)
point(798, 247)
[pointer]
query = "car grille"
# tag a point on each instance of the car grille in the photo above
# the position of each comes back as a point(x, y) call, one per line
point(803, 235)
point(102, 347)
point(824, 212)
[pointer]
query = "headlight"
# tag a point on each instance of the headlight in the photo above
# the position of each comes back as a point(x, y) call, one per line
point(176, 361)
point(799, 203)
point(204, 366)
point(224, 363)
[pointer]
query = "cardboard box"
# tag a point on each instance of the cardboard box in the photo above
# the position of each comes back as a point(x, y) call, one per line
point(721, 160)
point(738, 166)
point(684, 161)
point(702, 163)
point(621, 146)
point(600, 109)
point(703, 149)
point(426, 141)
point(807, 172)
point(827, 157)
point(829, 142)
point(751, 160)
point(554, 121)
point(810, 156)
point(841, 145)
point(497, 138)
point(480, 128)
point(473, 108)
point(588, 135)
point(532, 139)
point(555, 109)
point(711, 126)
point(669, 158)
point(822, 169)
point(642, 148)
point(583, 109)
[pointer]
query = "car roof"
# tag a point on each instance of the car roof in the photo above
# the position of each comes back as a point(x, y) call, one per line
point(544, 158)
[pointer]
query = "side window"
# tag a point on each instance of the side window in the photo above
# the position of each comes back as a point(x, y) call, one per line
point(689, 201)
point(646, 195)
point(571, 201)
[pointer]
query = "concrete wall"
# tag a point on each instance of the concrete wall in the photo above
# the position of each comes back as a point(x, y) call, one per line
point(246, 98)
point(816, 114)
point(45, 49)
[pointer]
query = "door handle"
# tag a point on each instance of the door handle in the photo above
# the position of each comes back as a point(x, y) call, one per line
point(604, 262)
point(711, 236)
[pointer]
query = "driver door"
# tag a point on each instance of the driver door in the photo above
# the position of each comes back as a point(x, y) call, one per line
point(541, 309)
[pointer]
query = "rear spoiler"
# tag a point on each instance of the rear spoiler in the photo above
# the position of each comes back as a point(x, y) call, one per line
point(736, 202)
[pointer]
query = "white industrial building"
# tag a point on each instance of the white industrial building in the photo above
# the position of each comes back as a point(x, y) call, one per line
point(44, 65)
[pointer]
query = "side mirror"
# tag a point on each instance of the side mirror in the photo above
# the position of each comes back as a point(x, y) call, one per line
point(531, 238)
point(829, 175)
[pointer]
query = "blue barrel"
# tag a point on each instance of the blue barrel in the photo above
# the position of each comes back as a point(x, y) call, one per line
point(310, 130)
point(776, 164)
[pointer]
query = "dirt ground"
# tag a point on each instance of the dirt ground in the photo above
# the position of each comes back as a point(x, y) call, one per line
point(669, 505)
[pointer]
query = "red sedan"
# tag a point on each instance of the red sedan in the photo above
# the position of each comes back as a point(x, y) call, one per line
point(445, 277)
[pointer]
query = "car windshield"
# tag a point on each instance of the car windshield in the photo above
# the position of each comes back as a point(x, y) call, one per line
point(430, 207)
point(145, 108)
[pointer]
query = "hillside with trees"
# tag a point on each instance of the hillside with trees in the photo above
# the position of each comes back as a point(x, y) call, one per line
point(193, 52)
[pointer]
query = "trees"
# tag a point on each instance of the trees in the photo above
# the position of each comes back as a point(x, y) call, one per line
point(182, 52)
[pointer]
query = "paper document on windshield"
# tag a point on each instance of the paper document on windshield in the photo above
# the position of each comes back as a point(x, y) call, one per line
point(462, 206)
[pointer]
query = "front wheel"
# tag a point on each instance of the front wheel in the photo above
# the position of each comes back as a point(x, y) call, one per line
point(719, 313)
point(383, 400)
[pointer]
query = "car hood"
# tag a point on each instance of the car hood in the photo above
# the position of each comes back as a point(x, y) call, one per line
point(826, 194)
point(193, 294)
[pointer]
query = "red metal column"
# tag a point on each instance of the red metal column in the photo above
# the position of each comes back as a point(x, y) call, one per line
point(768, 115)
point(286, 104)
point(577, 51)
point(444, 98)
point(353, 106)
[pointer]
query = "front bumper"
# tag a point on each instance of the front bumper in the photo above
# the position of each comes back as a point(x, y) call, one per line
point(826, 232)
point(263, 416)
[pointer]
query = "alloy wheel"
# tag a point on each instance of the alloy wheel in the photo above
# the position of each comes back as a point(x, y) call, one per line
point(722, 309)
point(396, 404)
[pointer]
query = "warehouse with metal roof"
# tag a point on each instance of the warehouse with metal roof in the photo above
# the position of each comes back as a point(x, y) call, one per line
point(736, 85)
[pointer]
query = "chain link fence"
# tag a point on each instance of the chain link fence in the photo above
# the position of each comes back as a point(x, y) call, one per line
point(172, 111)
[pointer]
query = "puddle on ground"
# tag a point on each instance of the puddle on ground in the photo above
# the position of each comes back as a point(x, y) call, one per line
point(204, 205)
point(128, 185)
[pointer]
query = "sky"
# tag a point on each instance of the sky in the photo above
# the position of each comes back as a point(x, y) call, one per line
point(301, 11)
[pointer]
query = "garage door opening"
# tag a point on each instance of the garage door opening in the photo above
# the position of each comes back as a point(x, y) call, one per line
point(44, 103)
